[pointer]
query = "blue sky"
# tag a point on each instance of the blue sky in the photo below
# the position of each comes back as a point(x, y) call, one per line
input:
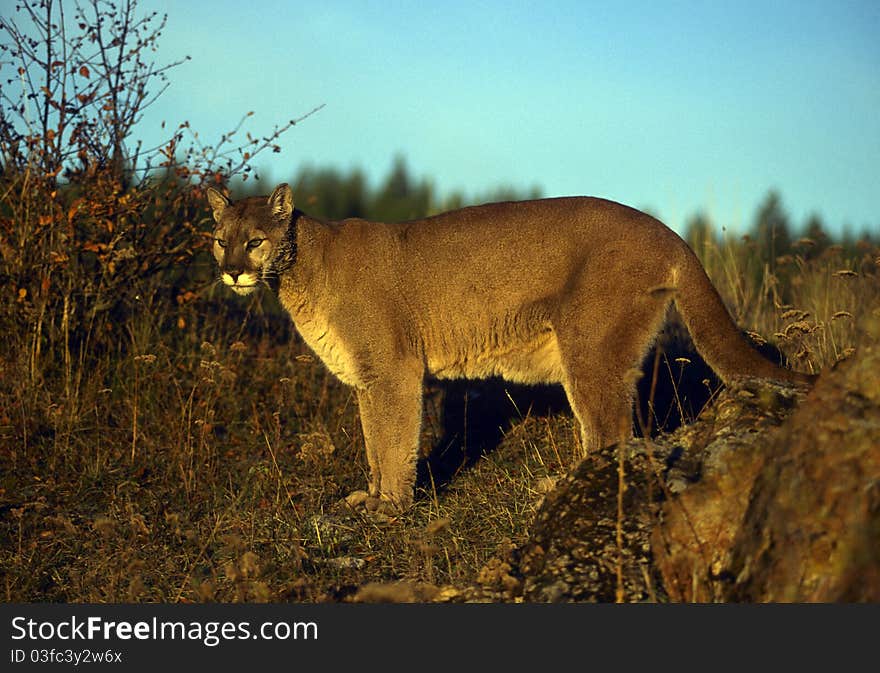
point(674, 107)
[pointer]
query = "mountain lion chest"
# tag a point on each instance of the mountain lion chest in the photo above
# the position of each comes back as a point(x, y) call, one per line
point(320, 335)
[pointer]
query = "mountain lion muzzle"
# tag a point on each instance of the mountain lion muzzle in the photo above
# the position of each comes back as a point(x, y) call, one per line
point(566, 290)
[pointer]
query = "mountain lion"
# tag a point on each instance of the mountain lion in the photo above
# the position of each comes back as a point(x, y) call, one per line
point(564, 290)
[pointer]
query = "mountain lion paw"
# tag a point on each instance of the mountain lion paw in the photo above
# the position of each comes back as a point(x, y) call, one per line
point(373, 505)
point(356, 499)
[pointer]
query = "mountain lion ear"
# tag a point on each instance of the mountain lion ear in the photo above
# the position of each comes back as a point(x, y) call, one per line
point(217, 201)
point(281, 202)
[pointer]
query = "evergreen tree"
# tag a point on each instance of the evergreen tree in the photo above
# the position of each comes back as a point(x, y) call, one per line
point(814, 231)
point(399, 198)
point(700, 235)
point(771, 230)
point(355, 196)
point(321, 193)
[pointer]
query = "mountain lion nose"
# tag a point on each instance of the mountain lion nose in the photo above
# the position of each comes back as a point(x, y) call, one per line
point(234, 273)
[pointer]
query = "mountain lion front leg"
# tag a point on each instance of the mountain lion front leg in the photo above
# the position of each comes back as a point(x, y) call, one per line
point(391, 418)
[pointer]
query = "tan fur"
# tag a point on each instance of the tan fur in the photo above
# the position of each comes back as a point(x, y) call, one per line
point(568, 290)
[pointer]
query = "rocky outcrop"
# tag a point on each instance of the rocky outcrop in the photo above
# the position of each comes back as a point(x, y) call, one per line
point(812, 528)
point(788, 514)
point(671, 529)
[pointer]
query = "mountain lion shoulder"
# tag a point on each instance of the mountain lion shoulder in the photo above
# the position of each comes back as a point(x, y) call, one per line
point(566, 290)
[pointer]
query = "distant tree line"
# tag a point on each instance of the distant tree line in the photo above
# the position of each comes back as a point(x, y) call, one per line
point(773, 252)
point(774, 237)
point(330, 194)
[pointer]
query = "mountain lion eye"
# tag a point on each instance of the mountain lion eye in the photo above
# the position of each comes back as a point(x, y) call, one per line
point(220, 242)
point(255, 243)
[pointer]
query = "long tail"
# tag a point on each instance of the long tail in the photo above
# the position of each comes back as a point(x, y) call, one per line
point(715, 334)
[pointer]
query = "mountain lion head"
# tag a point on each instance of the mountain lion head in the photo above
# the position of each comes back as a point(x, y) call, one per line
point(253, 241)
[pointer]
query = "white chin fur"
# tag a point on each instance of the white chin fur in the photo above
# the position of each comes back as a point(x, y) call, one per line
point(246, 283)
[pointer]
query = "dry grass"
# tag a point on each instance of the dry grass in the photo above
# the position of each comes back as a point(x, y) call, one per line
point(202, 460)
point(810, 305)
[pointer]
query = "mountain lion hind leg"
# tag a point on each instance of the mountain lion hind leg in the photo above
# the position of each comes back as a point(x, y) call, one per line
point(601, 358)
